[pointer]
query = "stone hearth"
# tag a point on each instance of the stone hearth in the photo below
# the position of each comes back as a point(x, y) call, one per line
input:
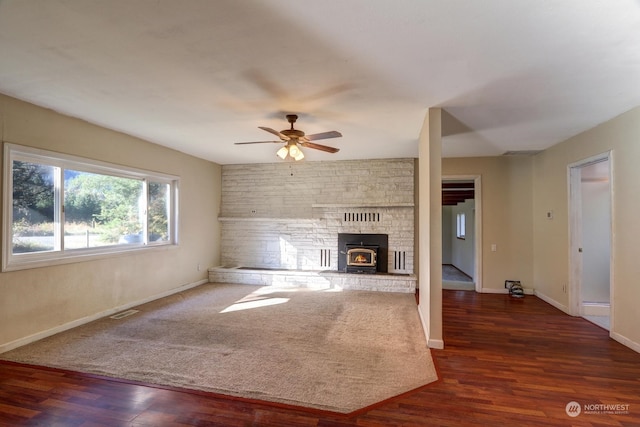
point(405, 283)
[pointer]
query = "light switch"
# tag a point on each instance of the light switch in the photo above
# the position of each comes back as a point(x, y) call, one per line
point(494, 247)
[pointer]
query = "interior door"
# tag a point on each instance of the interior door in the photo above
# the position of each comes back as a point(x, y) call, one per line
point(590, 215)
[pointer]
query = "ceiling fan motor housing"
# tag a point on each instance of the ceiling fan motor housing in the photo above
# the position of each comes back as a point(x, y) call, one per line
point(293, 133)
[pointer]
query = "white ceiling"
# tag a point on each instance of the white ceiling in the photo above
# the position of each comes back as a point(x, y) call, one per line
point(199, 75)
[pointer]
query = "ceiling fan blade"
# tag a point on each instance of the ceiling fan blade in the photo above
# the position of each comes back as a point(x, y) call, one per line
point(320, 147)
point(257, 142)
point(275, 132)
point(324, 135)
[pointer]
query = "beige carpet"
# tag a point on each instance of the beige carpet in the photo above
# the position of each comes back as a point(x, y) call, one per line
point(336, 351)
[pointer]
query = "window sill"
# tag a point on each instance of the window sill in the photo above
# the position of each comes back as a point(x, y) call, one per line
point(40, 262)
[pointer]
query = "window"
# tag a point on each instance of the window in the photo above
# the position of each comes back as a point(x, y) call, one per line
point(461, 226)
point(58, 208)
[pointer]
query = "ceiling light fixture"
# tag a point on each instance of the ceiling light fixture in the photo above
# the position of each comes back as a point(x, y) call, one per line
point(282, 153)
point(295, 138)
point(295, 152)
point(292, 150)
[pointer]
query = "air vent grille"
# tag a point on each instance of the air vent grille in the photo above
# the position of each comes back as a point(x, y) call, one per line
point(522, 153)
point(361, 217)
point(399, 260)
point(325, 257)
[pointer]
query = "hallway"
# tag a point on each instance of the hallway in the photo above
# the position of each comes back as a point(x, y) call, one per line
point(455, 279)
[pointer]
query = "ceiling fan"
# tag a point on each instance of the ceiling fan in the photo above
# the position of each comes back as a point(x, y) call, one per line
point(294, 137)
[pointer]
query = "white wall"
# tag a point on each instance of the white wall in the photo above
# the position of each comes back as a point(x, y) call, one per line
point(621, 135)
point(37, 300)
point(462, 250)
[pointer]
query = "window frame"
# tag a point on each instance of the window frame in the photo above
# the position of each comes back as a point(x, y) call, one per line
point(12, 262)
point(461, 226)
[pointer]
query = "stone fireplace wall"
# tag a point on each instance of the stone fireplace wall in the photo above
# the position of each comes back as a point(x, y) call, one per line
point(288, 215)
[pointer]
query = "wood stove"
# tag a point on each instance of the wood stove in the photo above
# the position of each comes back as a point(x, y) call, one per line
point(363, 253)
point(361, 259)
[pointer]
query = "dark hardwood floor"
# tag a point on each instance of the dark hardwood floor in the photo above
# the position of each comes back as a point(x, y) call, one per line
point(507, 362)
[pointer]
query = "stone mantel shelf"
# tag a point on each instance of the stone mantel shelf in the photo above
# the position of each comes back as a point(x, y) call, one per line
point(317, 205)
point(265, 219)
point(362, 205)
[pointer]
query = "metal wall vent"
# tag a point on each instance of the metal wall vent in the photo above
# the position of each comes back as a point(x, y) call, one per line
point(325, 257)
point(399, 260)
point(361, 217)
point(123, 314)
point(522, 152)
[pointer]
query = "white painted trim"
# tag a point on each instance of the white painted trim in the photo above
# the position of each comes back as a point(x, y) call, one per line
point(551, 301)
point(612, 244)
point(59, 256)
point(527, 291)
point(423, 322)
point(575, 239)
point(431, 343)
point(596, 309)
point(437, 344)
point(625, 341)
point(614, 335)
point(574, 174)
point(477, 187)
point(78, 322)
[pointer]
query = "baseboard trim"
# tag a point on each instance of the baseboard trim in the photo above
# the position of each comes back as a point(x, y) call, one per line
point(527, 291)
point(44, 334)
point(614, 335)
point(437, 344)
point(425, 328)
point(596, 309)
point(431, 343)
point(625, 341)
point(553, 302)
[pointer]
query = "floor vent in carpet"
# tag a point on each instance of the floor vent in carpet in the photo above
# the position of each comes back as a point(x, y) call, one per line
point(124, 314)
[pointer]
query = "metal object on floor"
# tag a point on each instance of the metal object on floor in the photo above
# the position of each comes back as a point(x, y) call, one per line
point(515, 288)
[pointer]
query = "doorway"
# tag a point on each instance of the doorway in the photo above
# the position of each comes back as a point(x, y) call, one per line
point(461, 232)
point(590, 233)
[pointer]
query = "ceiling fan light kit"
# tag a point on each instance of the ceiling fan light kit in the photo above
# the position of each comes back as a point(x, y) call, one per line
point(295, 152)
point(293, 137)
point(292, 150)
point(283, 153)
